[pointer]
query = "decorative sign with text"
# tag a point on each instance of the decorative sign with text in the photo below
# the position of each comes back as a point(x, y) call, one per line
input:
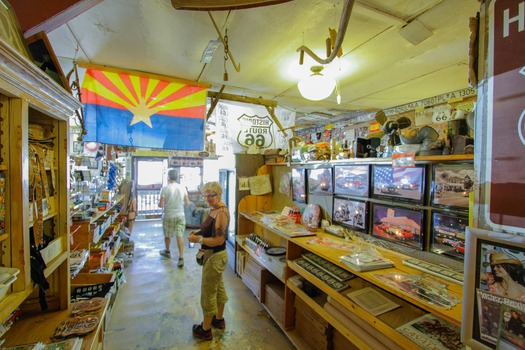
point(506, 115)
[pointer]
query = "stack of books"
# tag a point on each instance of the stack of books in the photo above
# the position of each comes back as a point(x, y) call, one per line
point(366, 261)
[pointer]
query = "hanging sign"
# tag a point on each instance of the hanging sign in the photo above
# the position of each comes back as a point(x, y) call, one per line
point(255, 131)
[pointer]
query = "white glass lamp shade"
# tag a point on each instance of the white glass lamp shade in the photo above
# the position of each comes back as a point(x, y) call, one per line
point(316, 87)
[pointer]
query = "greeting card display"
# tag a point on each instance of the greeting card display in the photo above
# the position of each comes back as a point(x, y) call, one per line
point(320, 181)
point(451, 185)
point(351, 180)
point(399, 225)
point(403, 184)
point(350, 213)
point(448, 234)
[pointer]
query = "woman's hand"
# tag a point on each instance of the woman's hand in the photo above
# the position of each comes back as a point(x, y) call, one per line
point(194, 237)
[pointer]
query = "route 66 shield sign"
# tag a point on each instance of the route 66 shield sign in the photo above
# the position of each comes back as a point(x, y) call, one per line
point(255, 131)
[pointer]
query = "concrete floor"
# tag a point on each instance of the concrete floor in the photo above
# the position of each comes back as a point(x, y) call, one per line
point(159, 302)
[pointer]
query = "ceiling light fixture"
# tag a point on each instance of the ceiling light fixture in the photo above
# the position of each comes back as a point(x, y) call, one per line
point(316, 87)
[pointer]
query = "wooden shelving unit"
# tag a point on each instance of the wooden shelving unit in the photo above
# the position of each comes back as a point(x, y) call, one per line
point(29, 96)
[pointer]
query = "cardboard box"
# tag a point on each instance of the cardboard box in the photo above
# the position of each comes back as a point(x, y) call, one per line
point(339, 342)
point(307, 312)
point(274, 301)
point(84, 283)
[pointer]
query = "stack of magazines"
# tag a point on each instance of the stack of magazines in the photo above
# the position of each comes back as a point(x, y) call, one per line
point(366, 260)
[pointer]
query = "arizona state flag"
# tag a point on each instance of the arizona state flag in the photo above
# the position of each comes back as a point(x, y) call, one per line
point(138, 111)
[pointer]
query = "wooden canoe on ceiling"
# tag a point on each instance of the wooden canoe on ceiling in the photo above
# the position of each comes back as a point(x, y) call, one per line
point(221, 5)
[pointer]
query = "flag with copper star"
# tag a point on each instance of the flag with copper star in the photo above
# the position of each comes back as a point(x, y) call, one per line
point(141, 110)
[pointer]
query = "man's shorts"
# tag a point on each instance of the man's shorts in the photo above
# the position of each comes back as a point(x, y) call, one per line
point(174, 226)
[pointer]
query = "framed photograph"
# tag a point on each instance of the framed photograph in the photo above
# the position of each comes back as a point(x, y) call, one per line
point(350, 213)
point(399, 225)
point(447, 236)
point(320, 181)
point(351, 180)
point(493, 282)
point(298, 185)
point(402, 184)
point(45, 58)
point(451, 185)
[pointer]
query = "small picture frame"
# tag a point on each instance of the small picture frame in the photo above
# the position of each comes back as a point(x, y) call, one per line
point(92, 163)
point(451, 185)
point(399, 184)
point(447, 236)
point(493, 262)
point(350, 213)
point(399, 225)
point(320, 181)
point(352, 180)
point(298, 185)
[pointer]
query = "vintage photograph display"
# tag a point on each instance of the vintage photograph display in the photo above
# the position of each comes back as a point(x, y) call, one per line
point(494, 269)
point(447, 236)
point(298, 185)
point(451, 185)
point(350, 213)
point(398, 224)
point(320, 181)
point(352, 180)
point(401, 184)
point(432, 332)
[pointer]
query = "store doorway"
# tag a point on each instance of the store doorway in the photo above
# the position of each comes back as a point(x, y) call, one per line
point(150, 176)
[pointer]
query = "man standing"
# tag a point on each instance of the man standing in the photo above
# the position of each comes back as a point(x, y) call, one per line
point(173, 197)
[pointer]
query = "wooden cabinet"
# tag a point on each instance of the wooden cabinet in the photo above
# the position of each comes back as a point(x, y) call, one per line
point(284, 291)
point(28, 96)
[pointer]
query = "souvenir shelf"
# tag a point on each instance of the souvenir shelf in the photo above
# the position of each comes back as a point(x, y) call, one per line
point(277, 288)
point(29, 96)
point(87, 233)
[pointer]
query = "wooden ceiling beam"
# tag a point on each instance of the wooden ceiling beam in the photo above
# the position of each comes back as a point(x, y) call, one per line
point(237, 98)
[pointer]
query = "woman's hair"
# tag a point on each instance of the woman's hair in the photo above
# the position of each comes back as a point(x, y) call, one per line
point(213, 186)
point(515, 272)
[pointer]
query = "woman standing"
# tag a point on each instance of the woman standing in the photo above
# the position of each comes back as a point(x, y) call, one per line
point(212, 237)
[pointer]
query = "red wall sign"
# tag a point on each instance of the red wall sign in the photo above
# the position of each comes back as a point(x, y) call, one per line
point(506, 119)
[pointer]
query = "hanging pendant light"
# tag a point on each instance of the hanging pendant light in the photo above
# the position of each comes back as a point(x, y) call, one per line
point(316, 87)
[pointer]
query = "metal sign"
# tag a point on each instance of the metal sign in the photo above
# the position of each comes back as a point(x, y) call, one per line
point(505, 160)
point(255, 131)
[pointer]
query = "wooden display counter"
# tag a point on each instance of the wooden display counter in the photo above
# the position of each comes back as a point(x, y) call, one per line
point(285, 292)
point(39, 327)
